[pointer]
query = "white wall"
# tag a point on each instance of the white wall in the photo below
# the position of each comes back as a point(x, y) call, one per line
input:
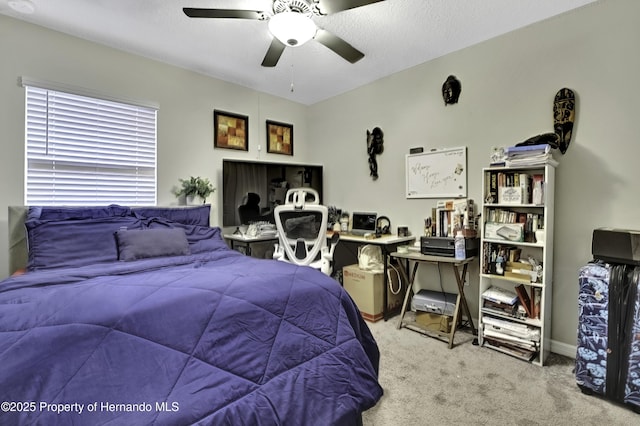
point(185, 118)
point(508, 86)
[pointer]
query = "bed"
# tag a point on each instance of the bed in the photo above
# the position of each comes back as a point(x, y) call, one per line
point(145, 316)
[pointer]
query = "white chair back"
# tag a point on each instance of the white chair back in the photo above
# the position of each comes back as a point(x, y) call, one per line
point(302, 230)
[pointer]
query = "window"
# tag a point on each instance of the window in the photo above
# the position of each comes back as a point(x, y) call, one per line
point(82, 150)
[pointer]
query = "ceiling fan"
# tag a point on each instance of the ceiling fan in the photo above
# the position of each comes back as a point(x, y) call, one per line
point(291, 24)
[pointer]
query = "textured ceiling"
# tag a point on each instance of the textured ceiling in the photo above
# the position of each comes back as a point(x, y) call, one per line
point(393, 34)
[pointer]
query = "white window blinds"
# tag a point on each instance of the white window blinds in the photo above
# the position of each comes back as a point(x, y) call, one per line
point(86, 151)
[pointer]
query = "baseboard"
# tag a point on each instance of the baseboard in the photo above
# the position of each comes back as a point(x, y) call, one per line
point(563, 349)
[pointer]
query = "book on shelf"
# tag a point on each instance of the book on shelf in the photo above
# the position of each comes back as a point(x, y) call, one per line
point(491, 187)
point(525, 300)
point(502, 216)
point(536, 296)
point(537, 190)
point(525, 187)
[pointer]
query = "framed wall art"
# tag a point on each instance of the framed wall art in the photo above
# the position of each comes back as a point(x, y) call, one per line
point(279, 137)
point(230, 130)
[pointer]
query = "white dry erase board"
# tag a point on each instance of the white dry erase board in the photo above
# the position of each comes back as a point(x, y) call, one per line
point(439, 173)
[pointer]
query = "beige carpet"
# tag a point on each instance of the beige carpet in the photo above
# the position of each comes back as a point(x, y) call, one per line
point(425, 383)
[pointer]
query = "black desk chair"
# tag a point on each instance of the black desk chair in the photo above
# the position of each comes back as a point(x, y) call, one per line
point(250, 211)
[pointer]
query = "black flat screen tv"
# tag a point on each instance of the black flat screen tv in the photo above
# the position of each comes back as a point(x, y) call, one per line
point(270, 181)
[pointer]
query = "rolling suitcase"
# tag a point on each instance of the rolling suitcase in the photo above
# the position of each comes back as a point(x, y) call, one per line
point(608, 349)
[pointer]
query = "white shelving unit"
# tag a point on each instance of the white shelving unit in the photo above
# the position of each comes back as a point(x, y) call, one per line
point(541, 249)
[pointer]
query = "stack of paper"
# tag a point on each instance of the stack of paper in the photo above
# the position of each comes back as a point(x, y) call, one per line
point(521, 331)
point(498, 294)
point(518, 340)
point(529, 155)
point(500, 301)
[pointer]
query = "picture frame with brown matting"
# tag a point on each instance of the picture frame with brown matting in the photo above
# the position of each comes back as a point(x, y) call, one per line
point(279, 137)
point(230, 130)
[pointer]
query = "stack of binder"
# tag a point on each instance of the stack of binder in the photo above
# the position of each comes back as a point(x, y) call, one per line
point(529, 155)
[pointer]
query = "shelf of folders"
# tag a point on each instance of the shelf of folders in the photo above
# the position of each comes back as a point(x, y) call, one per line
point(519, 339)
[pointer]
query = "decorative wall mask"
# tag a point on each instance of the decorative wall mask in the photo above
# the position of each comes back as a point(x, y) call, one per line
point(564, 113)
point(374, 147)
point(451, 90)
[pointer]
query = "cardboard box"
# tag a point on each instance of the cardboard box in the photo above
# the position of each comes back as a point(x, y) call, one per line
point(504, 231)
point(366, 289)
point(434, 322)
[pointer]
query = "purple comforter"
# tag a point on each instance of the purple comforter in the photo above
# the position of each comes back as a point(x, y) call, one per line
point(215, 338)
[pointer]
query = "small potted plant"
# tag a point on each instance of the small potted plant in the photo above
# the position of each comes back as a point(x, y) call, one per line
point(195, 187)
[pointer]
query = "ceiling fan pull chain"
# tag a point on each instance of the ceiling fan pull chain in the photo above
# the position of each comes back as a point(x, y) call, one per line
point(291, 70)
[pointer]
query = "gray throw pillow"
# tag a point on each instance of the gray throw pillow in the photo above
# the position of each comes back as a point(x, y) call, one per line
point(144, 243)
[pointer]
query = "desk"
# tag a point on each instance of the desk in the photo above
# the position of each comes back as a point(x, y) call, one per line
point(237, 241)
point(461, 301)
point(388, 244)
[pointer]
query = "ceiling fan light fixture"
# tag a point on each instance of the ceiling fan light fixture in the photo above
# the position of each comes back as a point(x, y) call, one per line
point(292, 28)
point(22, 6)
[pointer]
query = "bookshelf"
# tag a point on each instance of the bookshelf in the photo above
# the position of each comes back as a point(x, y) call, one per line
point(516, 261)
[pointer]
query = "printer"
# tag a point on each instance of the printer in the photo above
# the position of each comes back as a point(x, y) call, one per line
point(436, 302)
point(444, 246)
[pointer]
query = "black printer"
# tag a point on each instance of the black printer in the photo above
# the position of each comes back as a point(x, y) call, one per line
point(444, 246)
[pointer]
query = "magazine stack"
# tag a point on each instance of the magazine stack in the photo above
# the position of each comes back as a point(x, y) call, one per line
point(517, 339)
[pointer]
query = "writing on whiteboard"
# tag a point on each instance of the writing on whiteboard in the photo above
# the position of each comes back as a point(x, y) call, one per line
point(438, 173)
point(434, 178)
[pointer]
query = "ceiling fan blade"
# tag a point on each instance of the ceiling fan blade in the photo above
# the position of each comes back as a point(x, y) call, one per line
point(273, 53)
point(338, 45)
point(193, 12)
point(334, 6)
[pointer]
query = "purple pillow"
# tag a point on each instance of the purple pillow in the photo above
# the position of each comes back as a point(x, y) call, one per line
point(145, 243)
point(201, 238)
point(77, 212)
point(75, 242)
point(196, 215)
